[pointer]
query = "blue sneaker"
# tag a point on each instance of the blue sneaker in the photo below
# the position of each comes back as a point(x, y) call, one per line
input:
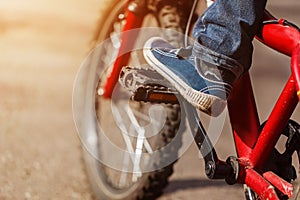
point(201, 83)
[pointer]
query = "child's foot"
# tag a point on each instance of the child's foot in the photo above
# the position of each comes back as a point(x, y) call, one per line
point(199, 82)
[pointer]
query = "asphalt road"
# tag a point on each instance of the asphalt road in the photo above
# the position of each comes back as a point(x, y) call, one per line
point(42, 45)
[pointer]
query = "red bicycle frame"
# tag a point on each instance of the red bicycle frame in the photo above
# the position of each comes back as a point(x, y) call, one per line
point(134, 19)
point(252, 144)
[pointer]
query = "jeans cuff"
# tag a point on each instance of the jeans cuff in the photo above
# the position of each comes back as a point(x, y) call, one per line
point(204, 53)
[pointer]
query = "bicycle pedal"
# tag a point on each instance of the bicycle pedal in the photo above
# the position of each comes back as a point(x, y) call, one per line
point(155, 94)
point(147, 85)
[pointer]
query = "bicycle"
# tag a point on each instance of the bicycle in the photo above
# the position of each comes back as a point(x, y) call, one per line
point(105, 111)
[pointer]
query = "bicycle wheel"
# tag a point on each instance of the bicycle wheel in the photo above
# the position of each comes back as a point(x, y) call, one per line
point(128, 147)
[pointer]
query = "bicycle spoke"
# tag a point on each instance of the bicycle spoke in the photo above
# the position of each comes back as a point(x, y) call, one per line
point(140, 130)
point(123, 128)
point(137, 153)
point(139, 143)
point(123, 178)
point(146, 117)
point(115, 40)
point(137, 156)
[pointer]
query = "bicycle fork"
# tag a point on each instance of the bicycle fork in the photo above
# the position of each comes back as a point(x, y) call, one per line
point(135, 13)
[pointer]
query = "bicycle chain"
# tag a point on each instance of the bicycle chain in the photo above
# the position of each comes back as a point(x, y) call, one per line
point(147, 85)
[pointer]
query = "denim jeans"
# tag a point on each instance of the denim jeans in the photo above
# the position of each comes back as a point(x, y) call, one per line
point(224, 33)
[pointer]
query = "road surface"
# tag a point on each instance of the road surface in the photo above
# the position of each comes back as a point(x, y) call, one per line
point(42, 45)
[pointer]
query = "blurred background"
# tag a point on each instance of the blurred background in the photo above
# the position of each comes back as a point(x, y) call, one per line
point(43, 43)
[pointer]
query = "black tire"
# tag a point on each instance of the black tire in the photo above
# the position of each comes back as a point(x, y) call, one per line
point(94, 118)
